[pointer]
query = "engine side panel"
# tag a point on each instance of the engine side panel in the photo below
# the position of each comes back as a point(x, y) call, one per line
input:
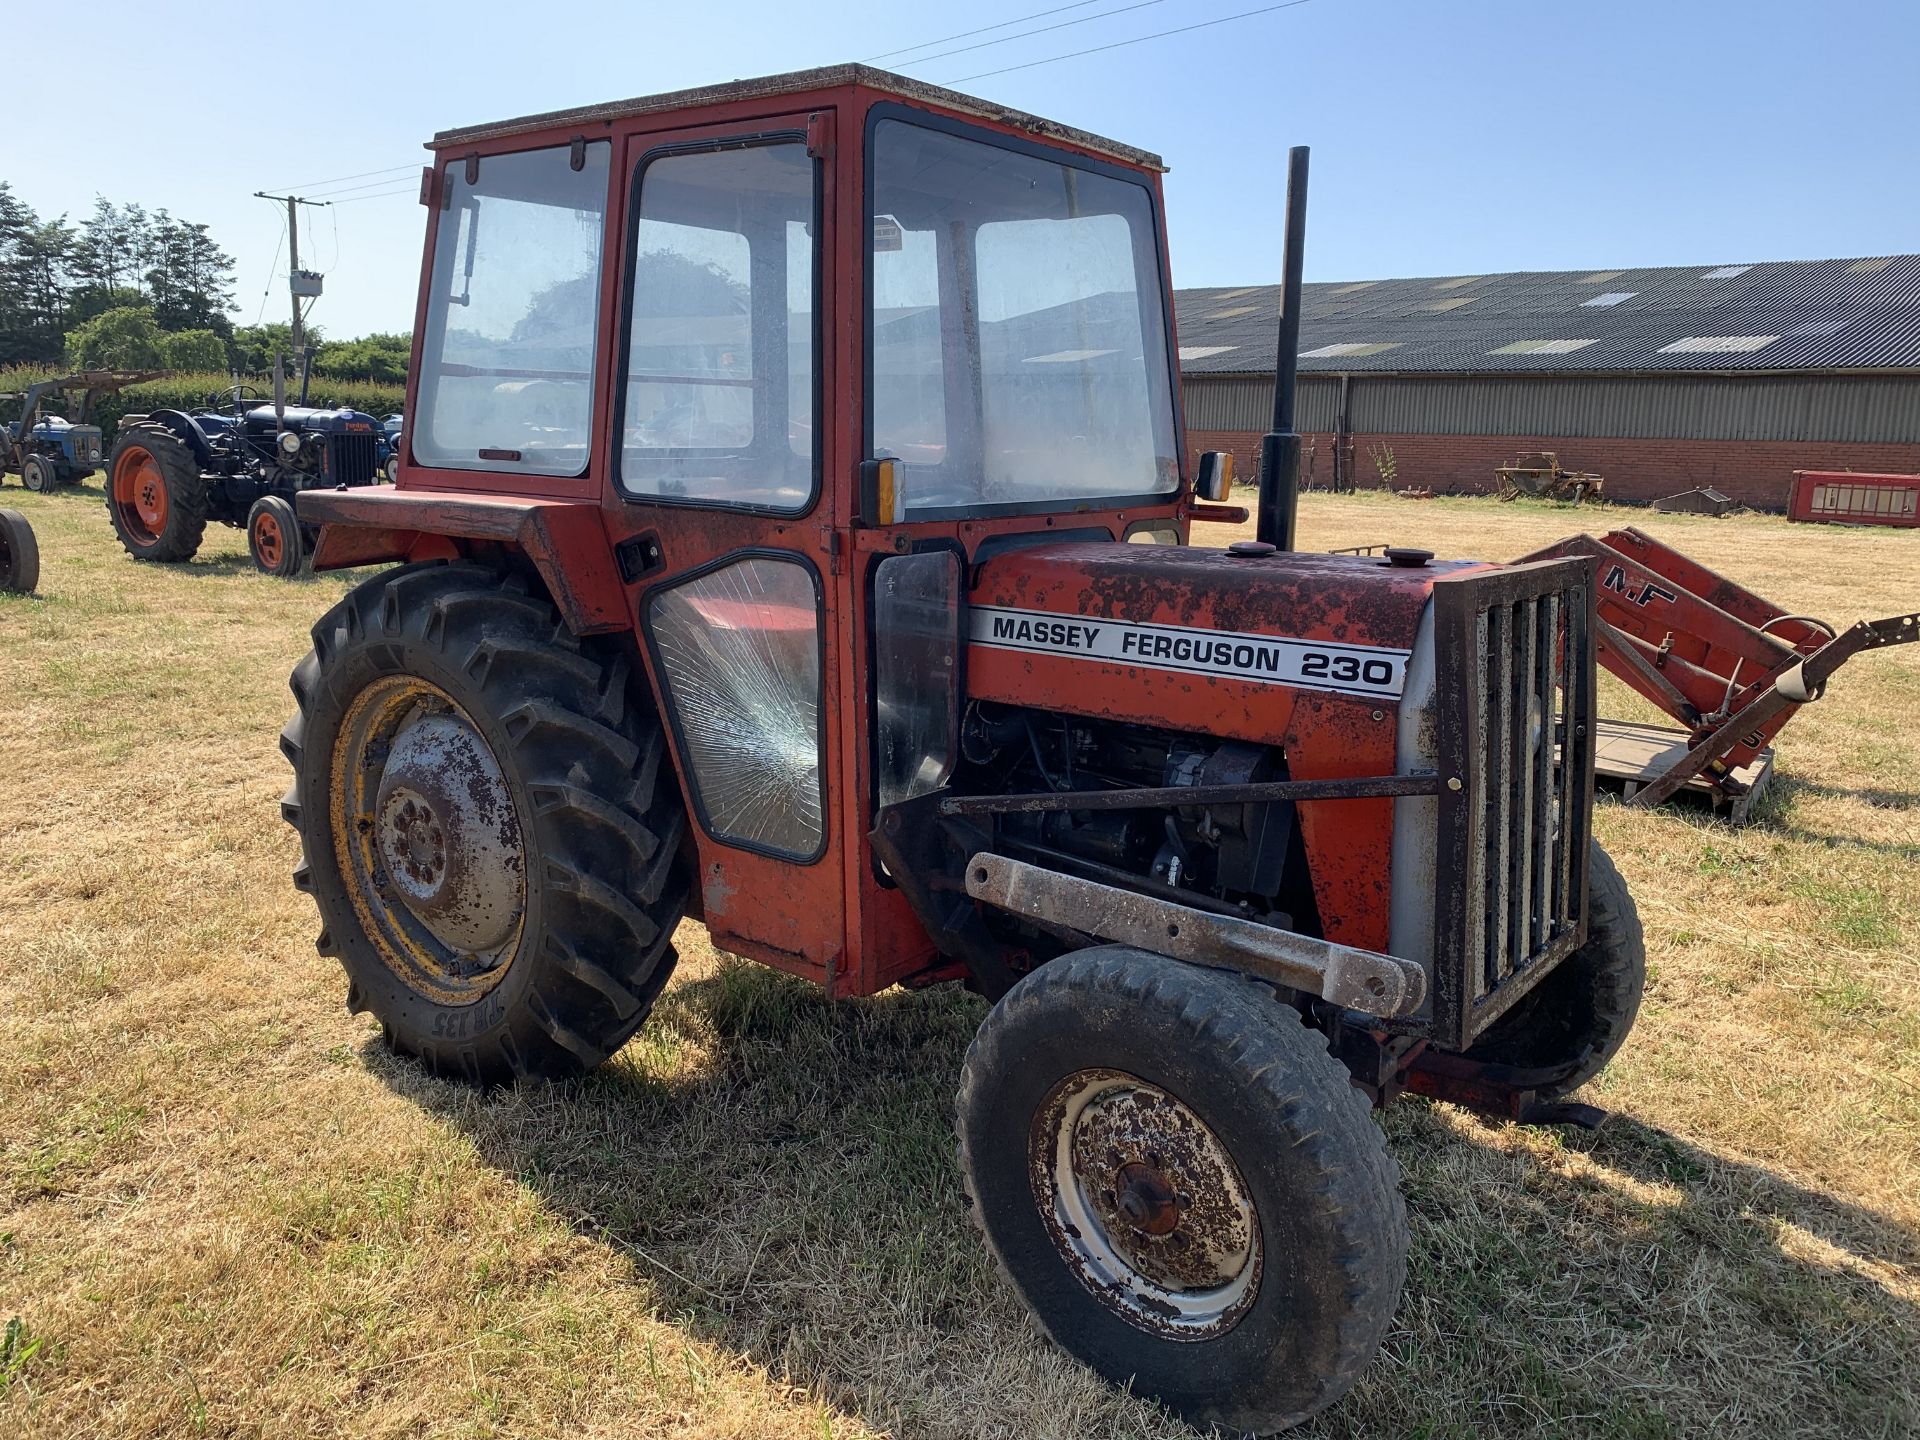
point(1307, 652)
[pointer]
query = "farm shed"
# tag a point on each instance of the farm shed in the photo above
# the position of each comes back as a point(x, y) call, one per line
point(1730, 376)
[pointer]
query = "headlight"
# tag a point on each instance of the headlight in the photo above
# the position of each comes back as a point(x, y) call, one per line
point(289, 443)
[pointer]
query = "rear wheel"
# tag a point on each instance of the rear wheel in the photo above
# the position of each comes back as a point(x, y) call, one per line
point(38, 474)
point(19, 554)
point(486, 822)
point(274, 537)
point(1183, 1185)
point(156, 494)
point(1577, 1018)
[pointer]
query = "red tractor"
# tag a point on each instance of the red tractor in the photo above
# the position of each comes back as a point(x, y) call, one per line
point(794, 506)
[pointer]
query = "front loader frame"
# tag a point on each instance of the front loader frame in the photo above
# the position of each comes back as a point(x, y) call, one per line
point(1729, 665)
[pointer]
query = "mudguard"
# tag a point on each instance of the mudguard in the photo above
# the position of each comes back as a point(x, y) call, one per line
point(565, 540)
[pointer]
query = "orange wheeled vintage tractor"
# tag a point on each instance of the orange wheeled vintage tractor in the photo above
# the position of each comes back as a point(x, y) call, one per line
point(794, 508)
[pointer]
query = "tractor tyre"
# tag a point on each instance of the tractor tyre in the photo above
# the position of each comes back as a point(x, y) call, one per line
point(19, 554)
point(390, 470)
point(1183, 1185)
point(156, 494)
point(275, 538)
point(37, 473)
point(1577, 1017)
point(488, 824)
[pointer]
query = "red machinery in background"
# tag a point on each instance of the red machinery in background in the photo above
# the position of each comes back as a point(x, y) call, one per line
point(1727, 664)
point(1833, 497)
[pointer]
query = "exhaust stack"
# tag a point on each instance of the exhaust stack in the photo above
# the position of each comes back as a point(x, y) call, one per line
point(1280, 447)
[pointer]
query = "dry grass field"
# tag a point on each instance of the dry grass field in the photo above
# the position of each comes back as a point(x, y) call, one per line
point(228, 1212)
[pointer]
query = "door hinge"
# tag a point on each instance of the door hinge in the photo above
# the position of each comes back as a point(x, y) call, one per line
point(830, 542)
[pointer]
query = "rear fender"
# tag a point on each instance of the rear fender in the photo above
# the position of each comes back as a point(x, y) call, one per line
point(564, 539)
point(191, 435)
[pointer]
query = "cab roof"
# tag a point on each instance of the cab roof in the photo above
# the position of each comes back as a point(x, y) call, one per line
point(825, 77)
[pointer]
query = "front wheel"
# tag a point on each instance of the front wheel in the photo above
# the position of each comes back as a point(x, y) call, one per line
point(1183, 1185)
point(487, 824)
point(37, 473)
point(274, 538)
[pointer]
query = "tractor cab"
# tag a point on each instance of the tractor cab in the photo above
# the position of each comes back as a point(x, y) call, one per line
point(793, 503)
point(800, 354)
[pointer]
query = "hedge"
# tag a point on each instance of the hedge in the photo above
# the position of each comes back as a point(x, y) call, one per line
point(189, 391)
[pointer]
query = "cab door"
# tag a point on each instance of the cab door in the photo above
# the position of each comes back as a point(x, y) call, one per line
point(717, 505)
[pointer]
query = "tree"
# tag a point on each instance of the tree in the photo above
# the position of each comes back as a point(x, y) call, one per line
point(113, 243)
point(195, 350)
point(379, 357)
point(254, 346)
point(34, 260)
point(189, 276)
point(123, 339)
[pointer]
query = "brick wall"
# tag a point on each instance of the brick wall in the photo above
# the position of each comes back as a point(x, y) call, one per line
point(1754, 472)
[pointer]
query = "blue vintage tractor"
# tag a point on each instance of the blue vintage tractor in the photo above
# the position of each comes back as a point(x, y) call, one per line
point(240, 462)
point(47, 449)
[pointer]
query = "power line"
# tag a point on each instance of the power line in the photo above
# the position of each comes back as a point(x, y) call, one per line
point(382, 195)
point(316, 184)
point(363, 185)
point(1042, 30)
point(964, 34)
point(1122, 44)
point(273, 271)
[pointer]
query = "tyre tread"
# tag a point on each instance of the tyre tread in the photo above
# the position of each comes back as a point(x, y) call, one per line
point(604, 827)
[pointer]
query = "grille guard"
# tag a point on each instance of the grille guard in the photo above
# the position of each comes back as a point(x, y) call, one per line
point(1515, 805)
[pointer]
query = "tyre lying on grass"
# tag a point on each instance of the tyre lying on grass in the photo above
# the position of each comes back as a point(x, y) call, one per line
point(19, 554)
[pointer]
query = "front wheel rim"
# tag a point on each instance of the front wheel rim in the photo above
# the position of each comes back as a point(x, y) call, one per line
point(429, 840)
point(1145, 1205)
point(267, 540)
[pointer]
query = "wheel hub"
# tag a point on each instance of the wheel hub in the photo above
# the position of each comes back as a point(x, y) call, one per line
point(446, 837)
point(1145, 1204)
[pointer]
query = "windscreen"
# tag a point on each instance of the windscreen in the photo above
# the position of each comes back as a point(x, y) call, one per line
point(507, 367)
point(1020, 351)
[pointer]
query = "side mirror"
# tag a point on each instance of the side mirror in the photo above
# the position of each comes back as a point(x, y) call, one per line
point(1215, 479)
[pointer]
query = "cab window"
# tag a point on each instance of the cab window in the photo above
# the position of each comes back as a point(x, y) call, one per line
point(513, 309)
point(718, 395)
point(1018, 329)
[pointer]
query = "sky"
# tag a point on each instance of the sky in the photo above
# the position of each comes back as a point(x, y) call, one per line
point(1450, 137)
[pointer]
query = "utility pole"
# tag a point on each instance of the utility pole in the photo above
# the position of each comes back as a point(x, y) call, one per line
point(298, 281)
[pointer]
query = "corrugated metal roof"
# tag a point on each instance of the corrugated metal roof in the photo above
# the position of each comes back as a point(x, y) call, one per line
point(1847, 314)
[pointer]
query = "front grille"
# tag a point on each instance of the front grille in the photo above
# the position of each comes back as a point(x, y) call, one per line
point(351, 459)
point(1516, 720)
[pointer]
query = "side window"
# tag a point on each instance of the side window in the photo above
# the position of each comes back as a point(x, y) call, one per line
point(718, 401)
point(739, 657)
point(513, 309)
